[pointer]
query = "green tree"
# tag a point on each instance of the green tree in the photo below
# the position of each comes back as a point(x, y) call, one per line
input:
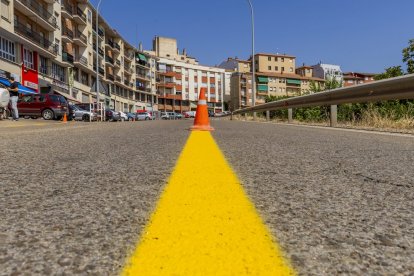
point(390, 72)
point(408, 56)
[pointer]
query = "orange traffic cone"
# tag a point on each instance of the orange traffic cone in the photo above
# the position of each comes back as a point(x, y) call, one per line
point(201, 121)
point(65, 119)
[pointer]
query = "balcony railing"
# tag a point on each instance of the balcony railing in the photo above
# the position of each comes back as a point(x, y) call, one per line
point(110, 43)
point(101, 70)
point(81, 14)
point(109, 59)
point(40, 10)
point(35, 38)
point(81, 36)
point(118, 62)
point(118, 79)
point(110, 77)
point(67, 32)
point(116, 46)
point(82, 60)
point(100, 51)
point(67, 7)
point(67, 57)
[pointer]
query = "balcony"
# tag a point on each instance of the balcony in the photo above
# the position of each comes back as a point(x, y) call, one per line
point(109, 43)
point(101, 70)
point(44, 43)
point(80, 39)
point(67, 34)
point(171, 96)
point(128, 70)
point(118, 63)
point(67, 9)
point(110, 77)
point(79, 16)
point(142, 76)
point(80, 60)
point(116, 47)
point(118, 79)
point(129, 57)
point(109, 60)
point(100, 50)
point(66, 57)
point(32, 8)
point(167, 84)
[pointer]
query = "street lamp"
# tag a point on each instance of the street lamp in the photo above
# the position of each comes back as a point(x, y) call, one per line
point(253, 61)
point(97, 55)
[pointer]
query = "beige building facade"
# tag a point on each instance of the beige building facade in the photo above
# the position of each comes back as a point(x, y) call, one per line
point(50, 46)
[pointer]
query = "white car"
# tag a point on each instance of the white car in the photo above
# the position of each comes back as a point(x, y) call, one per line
point(123, 116)
point(80, 114)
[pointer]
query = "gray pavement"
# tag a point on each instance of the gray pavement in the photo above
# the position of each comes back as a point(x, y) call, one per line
point(74, 197)
point(339, 202)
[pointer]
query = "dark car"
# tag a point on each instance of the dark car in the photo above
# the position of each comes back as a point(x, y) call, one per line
point(48, 106)
point(112, 115)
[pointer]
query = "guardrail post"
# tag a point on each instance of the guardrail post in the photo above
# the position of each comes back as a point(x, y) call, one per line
point(268, 115)
point(231, 116)
point(290, 115)
point(334, 115)
point(254, 116)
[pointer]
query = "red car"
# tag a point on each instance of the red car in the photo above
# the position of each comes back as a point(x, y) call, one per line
point(48, 106)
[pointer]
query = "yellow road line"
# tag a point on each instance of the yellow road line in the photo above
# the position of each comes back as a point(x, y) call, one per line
point(204, 223)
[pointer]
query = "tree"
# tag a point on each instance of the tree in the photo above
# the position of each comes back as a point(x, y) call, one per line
point(390, 72)
point(408, 56)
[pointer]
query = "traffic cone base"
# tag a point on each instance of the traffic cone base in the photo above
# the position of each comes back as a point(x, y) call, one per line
point(201, 121)
point(205, 128)
point(65, 119)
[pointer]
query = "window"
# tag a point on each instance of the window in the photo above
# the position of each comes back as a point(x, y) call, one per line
point(90, 16)
point(283, 69)
point(28, 59)
point(43, 65)
point(75, 74)
point(5, 10)
point(7, 49)
point(291, 69)
point(269, 58)
point(58, 72)
point(283, 59)
point(269, 67)
point(276, 68)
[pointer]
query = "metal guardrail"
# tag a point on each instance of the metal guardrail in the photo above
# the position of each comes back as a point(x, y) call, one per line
point(389, 89)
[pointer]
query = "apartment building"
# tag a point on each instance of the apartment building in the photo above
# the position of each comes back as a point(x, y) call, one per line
point(276, 75)
point(236, 65)
point(50, 45)
point(328, 71)
point(179, 79)
point(355, 78)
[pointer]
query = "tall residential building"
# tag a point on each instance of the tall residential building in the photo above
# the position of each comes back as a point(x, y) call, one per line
point(275, 75)
point(180, 77)
point(328, 71)
point(355, 78)
point(50, 46)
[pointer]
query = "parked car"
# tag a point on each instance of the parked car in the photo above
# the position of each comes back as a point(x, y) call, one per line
point(167, 115)
point(122, 116)
point(210, 113)
point(144, 116)
point(80, 114)
point(190, 114)
point(112, 115)
point(178, 115)
point(48, 106)
point(131, 116)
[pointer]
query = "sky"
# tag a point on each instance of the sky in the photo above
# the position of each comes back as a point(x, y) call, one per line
point(358, 35)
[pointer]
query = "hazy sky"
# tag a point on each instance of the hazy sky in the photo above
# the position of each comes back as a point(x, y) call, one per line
point(359, 35)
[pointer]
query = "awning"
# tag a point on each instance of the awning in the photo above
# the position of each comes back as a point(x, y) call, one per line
point(263, 79)
point(142, 57)
point(262, 88)
point(293, 81)
point(67, 97)
point(22, 89)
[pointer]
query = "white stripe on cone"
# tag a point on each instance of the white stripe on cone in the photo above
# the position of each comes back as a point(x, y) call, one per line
point(202, 102)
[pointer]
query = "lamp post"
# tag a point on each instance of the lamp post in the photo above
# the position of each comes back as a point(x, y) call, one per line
point(97, 55)
point(253, 61)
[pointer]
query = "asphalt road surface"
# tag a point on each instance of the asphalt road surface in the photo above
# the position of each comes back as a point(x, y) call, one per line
point(75, 197)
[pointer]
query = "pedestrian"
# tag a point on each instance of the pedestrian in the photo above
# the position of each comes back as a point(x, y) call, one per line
point(14, 96)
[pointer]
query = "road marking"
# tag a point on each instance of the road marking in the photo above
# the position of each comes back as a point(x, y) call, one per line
point(26, 125)
point(204, 223)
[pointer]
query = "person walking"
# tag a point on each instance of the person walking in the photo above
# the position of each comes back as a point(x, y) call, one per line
point(14, 96)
